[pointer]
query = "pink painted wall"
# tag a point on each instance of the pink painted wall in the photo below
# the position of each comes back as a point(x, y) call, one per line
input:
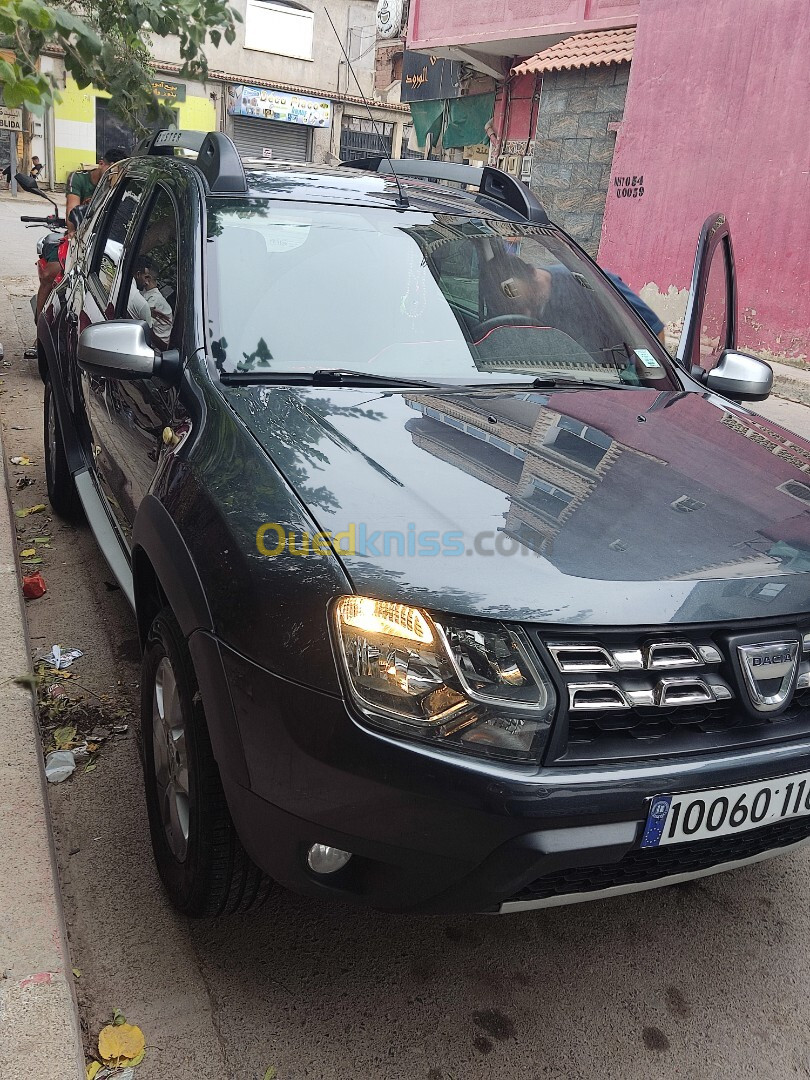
point(718, 118)
point(434, 23)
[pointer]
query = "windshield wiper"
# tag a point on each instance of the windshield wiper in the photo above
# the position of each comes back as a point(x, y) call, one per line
point(322, 377)
point(557, 382)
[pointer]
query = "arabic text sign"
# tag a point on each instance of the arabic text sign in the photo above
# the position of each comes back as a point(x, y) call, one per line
point(169, 91)
point(269, 104)
point(10, 119)
point(426, 78)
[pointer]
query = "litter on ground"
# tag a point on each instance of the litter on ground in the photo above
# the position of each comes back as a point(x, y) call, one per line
point(59, 765)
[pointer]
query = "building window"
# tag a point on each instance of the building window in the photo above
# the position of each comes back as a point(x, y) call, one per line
point(279, 26)
point(796, 490)
point(585, 445)
point(547, 498)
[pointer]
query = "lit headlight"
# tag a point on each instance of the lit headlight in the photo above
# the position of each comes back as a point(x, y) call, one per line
point(464, 683)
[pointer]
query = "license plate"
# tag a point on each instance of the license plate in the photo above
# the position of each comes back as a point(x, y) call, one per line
point(700, 815)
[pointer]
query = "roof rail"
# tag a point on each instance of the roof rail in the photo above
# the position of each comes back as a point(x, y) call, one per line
point(494, 183)
point(217, 157)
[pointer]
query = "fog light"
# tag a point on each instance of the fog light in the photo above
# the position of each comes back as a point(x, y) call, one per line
point(327, 860)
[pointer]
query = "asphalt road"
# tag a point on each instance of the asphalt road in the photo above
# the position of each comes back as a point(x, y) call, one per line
point(700, 981)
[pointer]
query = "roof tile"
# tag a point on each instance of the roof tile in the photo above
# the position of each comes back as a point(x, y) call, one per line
point(582, 50)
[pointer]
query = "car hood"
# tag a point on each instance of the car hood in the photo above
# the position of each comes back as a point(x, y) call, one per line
point(584, 506)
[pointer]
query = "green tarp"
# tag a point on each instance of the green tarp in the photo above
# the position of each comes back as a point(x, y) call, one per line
point(467, 119)
point(427, 120)
point(463, 119)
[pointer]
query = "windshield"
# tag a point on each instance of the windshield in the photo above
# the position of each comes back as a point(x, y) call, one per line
point(309, 288)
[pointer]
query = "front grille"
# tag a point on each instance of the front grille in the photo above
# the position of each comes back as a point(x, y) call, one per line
point(644, 724)
point(633, 695)
point(652, 864)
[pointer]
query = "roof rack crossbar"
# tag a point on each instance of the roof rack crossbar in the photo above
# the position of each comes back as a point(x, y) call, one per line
point(493, 183)
point(217, 158)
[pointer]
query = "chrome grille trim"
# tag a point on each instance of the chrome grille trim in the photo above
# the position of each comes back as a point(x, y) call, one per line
point(591, 696)
point(589, 658)
point(612, 697)
point(671, 654)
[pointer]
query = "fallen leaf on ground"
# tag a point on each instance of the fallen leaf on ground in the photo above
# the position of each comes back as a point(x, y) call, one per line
point(27, 552)
point(271, 1073)
point(64, 737)
point(118, 1017)
point(76, 973)
point(120, 1044)
point(29, 510)
point(32, 562)
point(93, 1067)
point(22, 459)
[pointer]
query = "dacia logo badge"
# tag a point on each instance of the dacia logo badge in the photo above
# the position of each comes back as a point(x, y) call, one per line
point(769, 670)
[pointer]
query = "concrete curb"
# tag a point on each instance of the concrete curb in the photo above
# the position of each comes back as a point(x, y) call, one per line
point(791, 382)
point(39, 1021)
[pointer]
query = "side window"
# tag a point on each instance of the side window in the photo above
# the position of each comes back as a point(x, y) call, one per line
point(457, 265)
point(153, 286)
point(114, 229)
point(713, 327)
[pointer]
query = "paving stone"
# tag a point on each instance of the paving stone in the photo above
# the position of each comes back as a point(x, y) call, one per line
point(582, 99)
point(601, 75)
point(547, 150)
point(575, 150)
point(601, 150)
point(555, 101)
point(592, 124)
point(575, 199)
point(578, 225)
point(610, 97)
point(563, 127)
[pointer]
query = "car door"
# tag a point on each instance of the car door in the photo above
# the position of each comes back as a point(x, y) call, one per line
point(710, 323)
point(128, 417)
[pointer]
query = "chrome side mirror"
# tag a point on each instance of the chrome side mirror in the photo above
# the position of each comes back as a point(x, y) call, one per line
point(118, 349)
point(741, 377)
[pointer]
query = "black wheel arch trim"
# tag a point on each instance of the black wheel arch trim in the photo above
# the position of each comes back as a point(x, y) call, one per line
point(157, 536)
point(74, 453)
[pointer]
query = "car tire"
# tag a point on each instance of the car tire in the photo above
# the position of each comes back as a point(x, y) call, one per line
point(203, 866)
point(62, 493)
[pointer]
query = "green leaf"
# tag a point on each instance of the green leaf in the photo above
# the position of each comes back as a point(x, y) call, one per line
point(118, 1018)
point(271, 1073)
point(36, 14)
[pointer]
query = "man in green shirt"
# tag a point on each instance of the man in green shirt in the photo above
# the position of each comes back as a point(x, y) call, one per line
point(79, 191)
point(83, 184)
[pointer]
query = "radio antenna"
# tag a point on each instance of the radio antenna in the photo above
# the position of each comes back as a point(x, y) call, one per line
point(402, 199)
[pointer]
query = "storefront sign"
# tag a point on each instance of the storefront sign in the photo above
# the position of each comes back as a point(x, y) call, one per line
point(169, 91)
point(390, 18)
point(10, 119)
point(279, 105)
point(426, 78)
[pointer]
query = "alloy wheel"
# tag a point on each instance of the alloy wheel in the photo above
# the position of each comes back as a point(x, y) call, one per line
point(170, 753)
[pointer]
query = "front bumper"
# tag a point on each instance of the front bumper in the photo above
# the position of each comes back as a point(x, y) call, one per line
point(435, 832)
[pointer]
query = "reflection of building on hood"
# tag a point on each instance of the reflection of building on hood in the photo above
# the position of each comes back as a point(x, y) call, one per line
point(584, 499)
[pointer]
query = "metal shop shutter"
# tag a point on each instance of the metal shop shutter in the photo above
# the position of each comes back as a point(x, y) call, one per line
point(289, 142)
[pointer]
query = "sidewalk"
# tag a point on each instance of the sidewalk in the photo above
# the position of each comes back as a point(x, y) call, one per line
point(791, 382)
point(39, 1023)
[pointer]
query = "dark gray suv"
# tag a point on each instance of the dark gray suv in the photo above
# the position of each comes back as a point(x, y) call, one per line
point(455, 591)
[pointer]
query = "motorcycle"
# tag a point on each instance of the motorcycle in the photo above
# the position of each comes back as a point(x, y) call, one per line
point(53, 247)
